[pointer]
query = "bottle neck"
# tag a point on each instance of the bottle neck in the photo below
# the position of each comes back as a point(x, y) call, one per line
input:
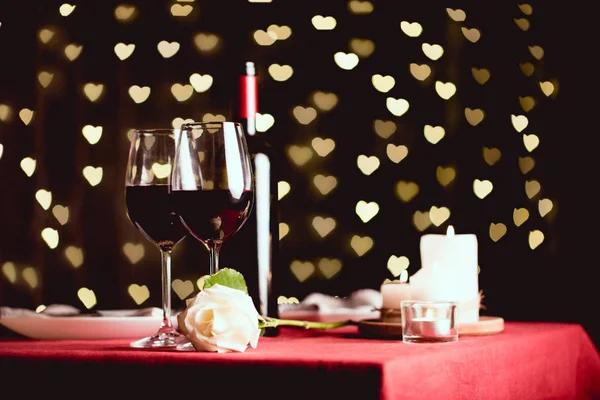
point(248, 106)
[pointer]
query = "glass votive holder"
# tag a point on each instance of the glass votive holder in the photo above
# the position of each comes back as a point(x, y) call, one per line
point(429, 321)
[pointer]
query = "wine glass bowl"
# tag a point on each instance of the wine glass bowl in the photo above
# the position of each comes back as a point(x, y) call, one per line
point(150, 209)
point(211, 183)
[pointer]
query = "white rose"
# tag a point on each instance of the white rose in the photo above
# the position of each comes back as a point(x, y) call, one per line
point(220, 319)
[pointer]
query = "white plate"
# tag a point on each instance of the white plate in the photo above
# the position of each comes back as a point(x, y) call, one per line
point(84, 328)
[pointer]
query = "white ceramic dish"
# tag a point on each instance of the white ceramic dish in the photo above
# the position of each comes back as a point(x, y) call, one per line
point(84, 328)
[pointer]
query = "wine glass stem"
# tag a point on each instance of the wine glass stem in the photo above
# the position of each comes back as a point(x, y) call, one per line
point(214, 248)
point(166, 290)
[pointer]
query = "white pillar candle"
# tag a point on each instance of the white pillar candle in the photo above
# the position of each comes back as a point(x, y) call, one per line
point(394, 292)
point(449, 272)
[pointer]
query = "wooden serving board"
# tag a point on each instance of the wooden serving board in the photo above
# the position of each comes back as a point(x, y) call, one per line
point(485, 326)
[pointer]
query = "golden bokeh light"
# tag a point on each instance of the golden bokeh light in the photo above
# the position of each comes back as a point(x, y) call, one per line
point(346, 61)
point(329, 267)
point(520, 215)
point(457, 15)
point(182, 288)
point(531, 142)
point(361, 244)
point(323, 226)
point(207, 42)
point(304, 115)
point(366, 211)
point(44, 197)
point(445, 175)
point(51, 237)
point(168, 49)
point(72, 51)
point(383, 83)
point(87, 297)
point(362, 47)
point(481, 75)
point(26, 115)
point(323, 146)
point(300, 155)
point(396, 153)
point(284, 229)
point(420, 71)
point(497, 231)
point(92, 174)
point(325, 101)
point(280, 73)
point(433, 134)
point(407, 190)
point(445, 89)
point(66, 9)
point(302, 270)
point(360, 7)
point(384, 129)
point(411, 29)
point(181, 92)
point(124, 51)
point(139, 293)
point(9, 270)
point(536, 237)
point(181, 10)
point(31, 277)
point(125, 12)
point(28, 166)
point(519, 122)
point(367, 164)
point(473, 34)
point(264, 122)
point(139, 94)
point(544, 207)
point(421, 220)
point(398, 107)
point(432, 51)
point(5, 112)
point(201, 83)
point(491, 155)
point(323, 23)
point(474, 116)
point(482, 188)
point(75, 256)
point(283, 188)
point(325, 184)
point(439, 215)
point(532, 188)
point(92, 133)
point(397, 264)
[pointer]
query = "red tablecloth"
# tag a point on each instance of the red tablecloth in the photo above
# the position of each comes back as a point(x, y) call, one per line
point(526, 361)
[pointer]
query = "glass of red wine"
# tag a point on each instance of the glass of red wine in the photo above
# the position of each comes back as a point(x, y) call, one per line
point(211, 184)
point(150, 209)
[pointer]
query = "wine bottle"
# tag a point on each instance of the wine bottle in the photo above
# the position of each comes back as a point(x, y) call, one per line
point(263, 221)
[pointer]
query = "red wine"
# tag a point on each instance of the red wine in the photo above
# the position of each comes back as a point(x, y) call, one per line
point(150, 209)
point(212, 215)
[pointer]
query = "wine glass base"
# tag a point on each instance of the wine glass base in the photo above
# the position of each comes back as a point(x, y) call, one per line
point(188, 346)
point(166, 340)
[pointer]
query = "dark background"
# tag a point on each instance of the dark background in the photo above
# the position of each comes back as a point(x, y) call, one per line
point(553, 282)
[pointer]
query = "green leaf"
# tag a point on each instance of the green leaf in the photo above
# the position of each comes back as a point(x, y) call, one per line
point(226, 277)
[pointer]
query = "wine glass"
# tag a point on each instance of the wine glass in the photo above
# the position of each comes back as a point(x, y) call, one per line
point(211, 183)
point(149, 208)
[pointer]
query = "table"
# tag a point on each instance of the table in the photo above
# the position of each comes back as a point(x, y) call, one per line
point(527, 361)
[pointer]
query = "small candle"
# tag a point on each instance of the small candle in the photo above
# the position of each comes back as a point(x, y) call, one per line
point(394, 292)
point(430, 326)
